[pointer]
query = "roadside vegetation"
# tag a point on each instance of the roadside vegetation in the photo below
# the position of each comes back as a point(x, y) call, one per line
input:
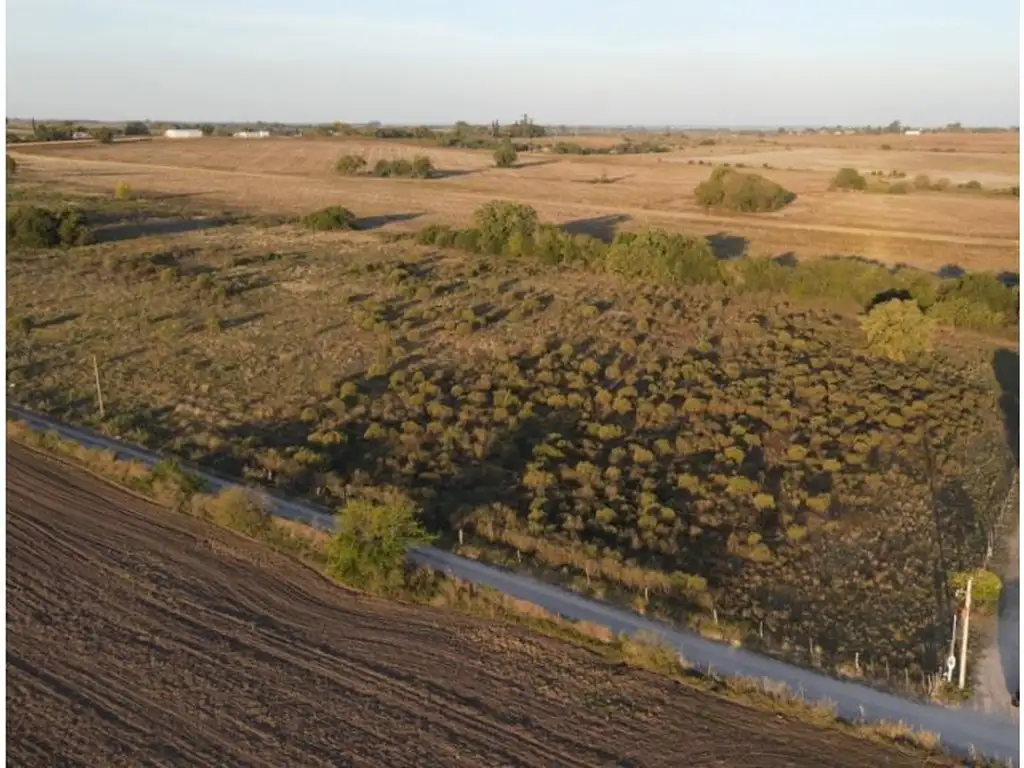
point(419, 167)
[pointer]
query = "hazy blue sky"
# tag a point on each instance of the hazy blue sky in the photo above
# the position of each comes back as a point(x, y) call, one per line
point(739, 62)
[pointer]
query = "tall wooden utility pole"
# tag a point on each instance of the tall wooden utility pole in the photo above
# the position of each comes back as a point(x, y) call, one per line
point(964, 631)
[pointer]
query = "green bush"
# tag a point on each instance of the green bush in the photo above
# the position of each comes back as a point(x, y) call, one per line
point(334, 217)
point(984, 590)
point(12, 167)
point(32, 227)
point(849, 178)
point(369, 547)
point(505, 155)
point(498, 220)
point(982, 289)
point(350, 165)
point(960, 312)
point(136, 128)
point(422, 167)
point(431, 234)
point(664, 257)
point(467, 240)
point(419, 167)
point(898, 331)
point(744, 192)
point(763, 274)
point(103, 135)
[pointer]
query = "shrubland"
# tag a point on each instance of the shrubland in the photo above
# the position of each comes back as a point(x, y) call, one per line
point(637, 420)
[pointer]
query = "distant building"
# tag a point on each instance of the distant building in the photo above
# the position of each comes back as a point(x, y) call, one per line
point(252, 134)
point(81, 135)
point(911, 132)
point(183, 133)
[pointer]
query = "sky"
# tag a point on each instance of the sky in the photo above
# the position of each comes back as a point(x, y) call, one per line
point(574, 62)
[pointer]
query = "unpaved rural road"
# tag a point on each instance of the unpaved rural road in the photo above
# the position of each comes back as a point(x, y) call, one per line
point(998, 674)
point(962, 730)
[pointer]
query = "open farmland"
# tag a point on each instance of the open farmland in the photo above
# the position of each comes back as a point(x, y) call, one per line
point(136, 635)
point(932, 230)
point(736, 462)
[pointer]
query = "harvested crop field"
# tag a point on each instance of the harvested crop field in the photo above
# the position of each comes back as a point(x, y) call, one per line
point(293, 176)
point(137, 636)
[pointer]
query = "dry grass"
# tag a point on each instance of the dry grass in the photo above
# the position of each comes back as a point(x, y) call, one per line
point(295, 176)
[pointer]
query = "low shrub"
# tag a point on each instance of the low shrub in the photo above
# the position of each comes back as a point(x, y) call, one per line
point(122, 190)
point(420, 167)
point(34, 227)
point(235, 508)
point(498, 220)
point(849, 178)
point(664, 257)
point(743, 192)
point(334, 217)
point(103, 135)
point(467, 240)
point(12, 167)
point(350, 165)
point(505, 155)
point(899, 188)
point(898, 331)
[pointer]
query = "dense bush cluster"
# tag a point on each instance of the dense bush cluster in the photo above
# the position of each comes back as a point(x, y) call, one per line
point(420, 167)
point(505, 155)
point(849, 178)
point(334, 217)
point(34, 227)
point(743, 192)
point(976, 301)
point(627, 147)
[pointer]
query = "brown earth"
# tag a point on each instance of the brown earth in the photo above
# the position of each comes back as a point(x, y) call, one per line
point(137, 636)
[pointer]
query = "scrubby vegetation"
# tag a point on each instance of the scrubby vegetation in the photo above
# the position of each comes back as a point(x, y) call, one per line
point(849, 178)
point(743, 192)
point(35, 227)
point(12, 167)
point(334, 217)
point(975, 301)
point(627, 147)
point(350, 165)
point(898, 330)
point(420, 167)
point(505, 155)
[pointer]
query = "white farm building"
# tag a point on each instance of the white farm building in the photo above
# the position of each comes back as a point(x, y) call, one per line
point(183, 133)
point(252, 134)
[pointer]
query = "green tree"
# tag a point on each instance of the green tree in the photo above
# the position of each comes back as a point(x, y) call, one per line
point(505, 155)
point(898, 330)
point(136, 128)
point(103, 135)
point(369, 547)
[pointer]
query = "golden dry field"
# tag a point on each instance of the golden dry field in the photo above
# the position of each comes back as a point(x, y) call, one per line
point(291, 176)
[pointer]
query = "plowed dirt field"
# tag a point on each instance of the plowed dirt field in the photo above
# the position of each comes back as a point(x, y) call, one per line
point(136, 636)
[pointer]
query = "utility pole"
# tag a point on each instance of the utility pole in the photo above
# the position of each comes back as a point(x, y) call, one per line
point(99, 391)
point(963, 636)
point(951, 659)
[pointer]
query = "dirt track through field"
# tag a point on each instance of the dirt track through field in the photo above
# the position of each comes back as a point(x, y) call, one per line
point(137, 636)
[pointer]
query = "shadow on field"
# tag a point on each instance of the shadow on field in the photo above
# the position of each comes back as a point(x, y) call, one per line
point(455, 173)
point(1006, 366)
point(130, 229)
point(601, 227)
point(728, 247)
point(376, 222)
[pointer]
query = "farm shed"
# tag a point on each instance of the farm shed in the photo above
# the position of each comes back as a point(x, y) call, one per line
point(252, 134)
point(183, 133)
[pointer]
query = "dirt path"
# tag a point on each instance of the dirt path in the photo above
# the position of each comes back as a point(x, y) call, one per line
point(136, 636)
point(428, 198)
point(998, 674)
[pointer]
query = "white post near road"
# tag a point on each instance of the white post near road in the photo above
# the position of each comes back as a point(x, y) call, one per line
point(963, 636)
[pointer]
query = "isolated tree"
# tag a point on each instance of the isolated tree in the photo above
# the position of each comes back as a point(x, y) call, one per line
point(371, 542)
point(104, 135)
point(898, 330)
point(136, 128)
point(505, 155)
